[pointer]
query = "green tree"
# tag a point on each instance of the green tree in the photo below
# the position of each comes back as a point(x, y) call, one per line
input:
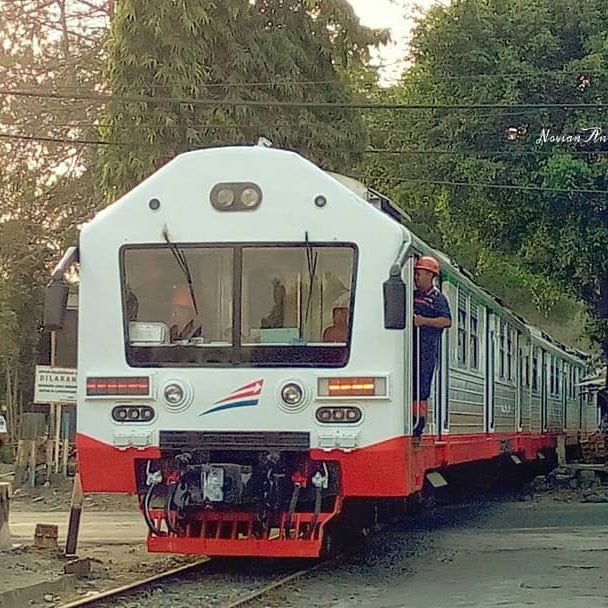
point(555, 233)
point(223, 51)
point(46, 183)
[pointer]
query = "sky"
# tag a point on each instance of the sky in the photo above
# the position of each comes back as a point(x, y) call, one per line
point(397, 15)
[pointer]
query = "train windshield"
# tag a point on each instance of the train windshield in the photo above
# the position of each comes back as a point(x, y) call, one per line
point(286, 305)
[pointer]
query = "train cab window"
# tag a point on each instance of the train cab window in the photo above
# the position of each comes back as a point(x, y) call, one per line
point(166, 290)
point(304, 299)
point(252, 305)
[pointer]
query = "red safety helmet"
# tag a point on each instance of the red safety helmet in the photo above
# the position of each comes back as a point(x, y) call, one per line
point(427, 263)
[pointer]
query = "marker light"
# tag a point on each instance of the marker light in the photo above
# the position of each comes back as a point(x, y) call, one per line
point(352, 387)
point(133, 413)
point(338, 415)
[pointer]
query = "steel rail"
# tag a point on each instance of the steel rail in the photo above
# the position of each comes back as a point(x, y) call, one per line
point(129, 588)
point(116, 592)
point(254, 595)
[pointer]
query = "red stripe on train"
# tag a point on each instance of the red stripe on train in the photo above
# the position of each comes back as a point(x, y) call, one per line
point(389, 468)
point(105, 468)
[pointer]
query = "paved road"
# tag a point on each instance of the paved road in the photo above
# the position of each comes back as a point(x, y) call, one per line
point(95, 527)
point(507, 555)
point(521, 555)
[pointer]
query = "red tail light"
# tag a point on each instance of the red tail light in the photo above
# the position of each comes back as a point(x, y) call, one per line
point(111, 386)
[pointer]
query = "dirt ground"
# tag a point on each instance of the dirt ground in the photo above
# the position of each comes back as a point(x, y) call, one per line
point(112, 536)
point(58, 496)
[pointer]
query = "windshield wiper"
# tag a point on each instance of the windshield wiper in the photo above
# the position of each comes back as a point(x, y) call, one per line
point(312, 258)
point(180, 258)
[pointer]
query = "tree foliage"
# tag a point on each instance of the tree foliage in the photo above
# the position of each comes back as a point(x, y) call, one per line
point(509, 52)
point(222, 51)
point(46, 185)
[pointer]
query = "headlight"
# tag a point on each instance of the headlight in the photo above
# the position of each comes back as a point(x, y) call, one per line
point(225, 197)
point(292, 394)
point(174, 394)
point(235, 196)
point(250, 197)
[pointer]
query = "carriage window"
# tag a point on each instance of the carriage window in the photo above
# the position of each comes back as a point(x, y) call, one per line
point(501, 346)
point(462, 328)
point(509, 353)
point(474, 337)
point(571, 385)
point(535, 370)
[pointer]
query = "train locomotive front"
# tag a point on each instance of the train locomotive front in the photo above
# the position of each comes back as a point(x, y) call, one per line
point(235, 366)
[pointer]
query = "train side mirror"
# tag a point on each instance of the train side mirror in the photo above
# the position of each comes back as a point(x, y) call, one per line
point(55, 304)
point(394, 300)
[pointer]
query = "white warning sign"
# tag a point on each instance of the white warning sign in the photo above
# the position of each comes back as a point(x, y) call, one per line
point(55, 385)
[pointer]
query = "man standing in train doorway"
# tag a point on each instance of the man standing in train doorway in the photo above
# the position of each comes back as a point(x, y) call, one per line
point(431, 316)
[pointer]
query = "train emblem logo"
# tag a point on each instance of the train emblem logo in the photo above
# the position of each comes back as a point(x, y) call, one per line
point(247, 395)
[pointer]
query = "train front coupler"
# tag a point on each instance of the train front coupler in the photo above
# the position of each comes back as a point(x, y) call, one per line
point(273, 504)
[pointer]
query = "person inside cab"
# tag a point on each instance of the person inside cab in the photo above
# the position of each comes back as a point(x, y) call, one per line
point(431, 316)
point(338, 332)
point(185, 321)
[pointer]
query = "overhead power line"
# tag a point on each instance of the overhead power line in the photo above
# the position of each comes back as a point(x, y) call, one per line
point(493, 186)
point(195, 101)
point(61, 140)
point(376, 151)
point(410, 179)
point(521, 73)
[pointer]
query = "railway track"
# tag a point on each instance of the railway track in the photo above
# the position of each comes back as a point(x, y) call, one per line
point(225, 585)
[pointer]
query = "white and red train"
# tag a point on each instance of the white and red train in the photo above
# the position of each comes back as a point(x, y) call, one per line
point(214, 381)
